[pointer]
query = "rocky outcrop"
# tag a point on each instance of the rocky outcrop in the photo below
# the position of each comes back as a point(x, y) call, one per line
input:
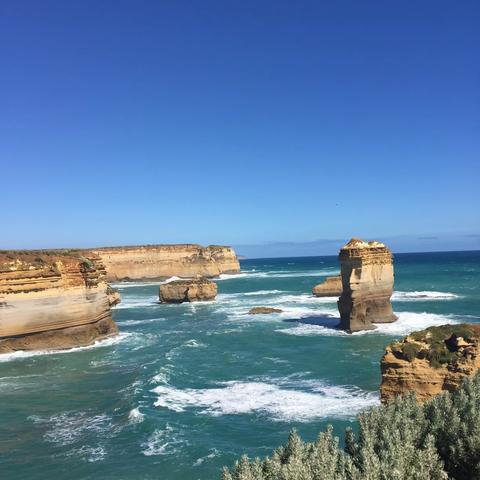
point(331, 287)
point(51, 300)
point(194, 290)
point(430, 361)
point(163, 261)
point(264, 310)
point(367, 285)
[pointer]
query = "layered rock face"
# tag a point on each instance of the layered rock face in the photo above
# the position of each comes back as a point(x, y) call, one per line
point(194, 290)
point(162, 261)
point(331, 287)
point(430, 361)
point(51, 300)
point(367, 285)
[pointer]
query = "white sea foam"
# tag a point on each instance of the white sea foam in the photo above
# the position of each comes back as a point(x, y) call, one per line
point(278, 402)
point(88, 453)
point(407, 322)
point(213, 453)
point(278, 274)
point(124, 285)
point(70, 427)
point(21, 354)
point(422, 295)
point(138, 301)
point(135, 416)
point(163, 442)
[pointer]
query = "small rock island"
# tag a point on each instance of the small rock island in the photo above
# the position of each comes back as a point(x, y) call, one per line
point(193, 290)
point(330, 287)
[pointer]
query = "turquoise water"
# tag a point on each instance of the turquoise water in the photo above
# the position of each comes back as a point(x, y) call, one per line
point(186, 389)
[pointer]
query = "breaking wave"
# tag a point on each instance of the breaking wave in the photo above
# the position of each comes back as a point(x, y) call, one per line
point(278, 401)
point(423, 295)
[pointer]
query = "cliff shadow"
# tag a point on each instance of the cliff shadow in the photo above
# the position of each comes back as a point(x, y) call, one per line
point(325, 320)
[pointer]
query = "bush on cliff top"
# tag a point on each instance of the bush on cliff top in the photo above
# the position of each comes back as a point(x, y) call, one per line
point(398, 441)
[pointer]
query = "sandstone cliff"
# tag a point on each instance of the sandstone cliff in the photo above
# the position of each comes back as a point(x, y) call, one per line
point(367, 285)
point(430, 361)
point(194, 290)
point(56, 299)
point(331, 287)
point(162, 261)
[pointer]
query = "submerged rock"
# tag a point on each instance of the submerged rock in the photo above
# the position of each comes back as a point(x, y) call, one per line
point(367, 281)
point(264, 310)
point(194, 290)
point(331, 287)
point(430, 361)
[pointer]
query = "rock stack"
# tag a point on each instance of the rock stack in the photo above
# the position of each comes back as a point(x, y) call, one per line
point(331, 287)
point(430, 361)
point(367, 285)
point(194, 290)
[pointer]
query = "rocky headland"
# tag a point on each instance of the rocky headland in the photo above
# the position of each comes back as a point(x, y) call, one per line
point(194, 290)
point(163, 261)
point(367, 285)
point(330, 287)
point(430, 361)
point(53, 300)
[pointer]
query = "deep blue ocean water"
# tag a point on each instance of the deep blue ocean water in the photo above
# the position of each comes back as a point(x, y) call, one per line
point(186, 389)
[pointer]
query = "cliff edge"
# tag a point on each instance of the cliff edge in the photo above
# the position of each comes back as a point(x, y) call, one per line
point(161, 261)
point(53, 300)
point(430, 361)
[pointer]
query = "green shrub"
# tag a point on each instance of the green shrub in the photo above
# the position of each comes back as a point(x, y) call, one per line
point(398, 441)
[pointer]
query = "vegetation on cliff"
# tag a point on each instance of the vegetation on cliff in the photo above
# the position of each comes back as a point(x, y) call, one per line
point(403, 439)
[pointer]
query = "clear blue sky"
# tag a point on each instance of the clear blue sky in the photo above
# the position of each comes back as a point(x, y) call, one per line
point(239, 122)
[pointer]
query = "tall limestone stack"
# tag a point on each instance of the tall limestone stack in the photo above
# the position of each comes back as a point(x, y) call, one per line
point(367, 285)
point(53, 300)
point(162, 261)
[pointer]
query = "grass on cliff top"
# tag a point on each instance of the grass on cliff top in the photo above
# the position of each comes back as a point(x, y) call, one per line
point(439, 351)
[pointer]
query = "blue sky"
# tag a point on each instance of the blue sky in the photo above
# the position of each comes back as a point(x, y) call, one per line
point(249, 123)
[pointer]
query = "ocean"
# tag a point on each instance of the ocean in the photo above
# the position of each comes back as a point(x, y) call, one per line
point(185, 389)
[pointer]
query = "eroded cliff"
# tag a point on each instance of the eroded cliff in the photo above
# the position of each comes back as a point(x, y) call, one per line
point(330, 287)
point(367, 285)
point(50, 300)
point(193, 290)
point(430, 361)
point(161, 261)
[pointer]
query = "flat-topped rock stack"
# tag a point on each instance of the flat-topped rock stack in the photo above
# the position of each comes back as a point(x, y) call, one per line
point(163, 261)
point(367, 285)
point(330, 287)
point(53, 300)
point(193, 290)
point(430, 361)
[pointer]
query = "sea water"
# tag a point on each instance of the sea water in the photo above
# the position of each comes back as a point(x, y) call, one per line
point(185, 389)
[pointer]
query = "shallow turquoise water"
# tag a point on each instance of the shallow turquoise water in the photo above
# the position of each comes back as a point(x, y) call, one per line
point(186, 389)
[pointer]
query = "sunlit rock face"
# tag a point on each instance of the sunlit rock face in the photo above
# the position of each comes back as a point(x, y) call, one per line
point(194, 290)
point(162, 261)
point(367, 285)
point(430, 361)
point(52, 300)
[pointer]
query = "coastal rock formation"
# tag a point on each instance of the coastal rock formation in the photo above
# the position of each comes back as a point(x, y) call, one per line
point(264, 310)
point(163, 261)
point(331, 287)
point(194, 290)
point(367, 285)
point(51, 300)
point(430, 361)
